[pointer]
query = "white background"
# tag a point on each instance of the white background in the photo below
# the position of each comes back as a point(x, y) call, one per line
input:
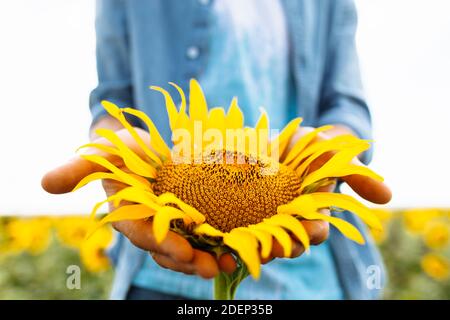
point(47, 70)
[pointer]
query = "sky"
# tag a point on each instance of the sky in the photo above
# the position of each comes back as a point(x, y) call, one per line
point(47, 69)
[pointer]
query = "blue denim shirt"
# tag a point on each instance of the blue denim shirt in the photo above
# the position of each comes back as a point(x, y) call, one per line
point(153, 42)
point(249, 59)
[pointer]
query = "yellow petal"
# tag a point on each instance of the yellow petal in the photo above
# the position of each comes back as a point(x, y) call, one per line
point(346, 228)
point(303, 142)
point(344, 140)
point(304, 166)
point(319, 200)
point(130, 212)
point(360, 170)
point(98, 205)
point(162, 219)
point(335, 144)
point(282, 140)
point(290, 223)
point(234, 118)
point(183, 97)
point(183, 122)
point(280, 234)
point(193, 213)
point(263, 122)
point(172, 111)
point(264, 238)
point(216, 119)
point(339, 165)
point(156, 141)
point(97, 176)
point(117, 113)
point(137, 195)
point(131, 159)
point(208, 230)
point(198, 109)
point(102, 147)
point(123, 176)
point(247, 248)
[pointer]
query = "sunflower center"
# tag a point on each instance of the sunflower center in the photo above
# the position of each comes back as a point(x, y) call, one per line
point(230, 195)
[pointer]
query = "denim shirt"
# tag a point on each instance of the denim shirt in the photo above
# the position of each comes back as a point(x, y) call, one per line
point(249, 59)
point(142, 43)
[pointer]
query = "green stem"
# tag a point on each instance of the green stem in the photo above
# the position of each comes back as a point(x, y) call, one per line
point(222, 291)
point(225, 285)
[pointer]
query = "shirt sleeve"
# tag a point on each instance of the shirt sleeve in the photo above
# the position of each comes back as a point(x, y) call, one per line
point(113, 58)
point(342, 98)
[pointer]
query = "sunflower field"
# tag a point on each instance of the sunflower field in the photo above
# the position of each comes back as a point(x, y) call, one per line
point(35, 253)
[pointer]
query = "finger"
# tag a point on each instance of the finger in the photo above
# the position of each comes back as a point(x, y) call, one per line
point(227, 263)
point(366, 187)
point(277, 249)
point(111, 187)
point(267, 260)
point(64, 178)
point(318, 230)
point(205, 264)
point(297, 249)
point(168, 263)
point(140, 233)
point(370, 189)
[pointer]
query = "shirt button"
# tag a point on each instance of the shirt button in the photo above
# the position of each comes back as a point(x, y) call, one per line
point(204, 2)
point(193, 52)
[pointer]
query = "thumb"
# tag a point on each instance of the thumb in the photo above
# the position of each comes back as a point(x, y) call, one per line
point(65, 177)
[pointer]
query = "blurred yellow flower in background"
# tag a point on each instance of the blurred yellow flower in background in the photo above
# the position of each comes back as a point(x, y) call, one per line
point(92, 250)
point(385, 216)
point(378, 235)
point(436, 266)
point(416, 220)
point(423, 277)
point(32, 235)
point(72, 230)
point(437, 233)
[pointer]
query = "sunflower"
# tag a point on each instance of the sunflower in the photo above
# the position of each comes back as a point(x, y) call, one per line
point(436, 266)
point(72, 230)
point(385, 216)
point(417, 220)
point(226, 187)
point(32, 235)
point(437, 234)
point(92, 250)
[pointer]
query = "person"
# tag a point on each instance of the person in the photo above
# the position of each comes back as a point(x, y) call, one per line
point(296, 58)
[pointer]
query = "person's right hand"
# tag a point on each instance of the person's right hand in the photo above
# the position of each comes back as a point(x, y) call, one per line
point(174, 252)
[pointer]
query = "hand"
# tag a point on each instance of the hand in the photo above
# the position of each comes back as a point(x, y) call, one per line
point(368, 188)
point(174, 252)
